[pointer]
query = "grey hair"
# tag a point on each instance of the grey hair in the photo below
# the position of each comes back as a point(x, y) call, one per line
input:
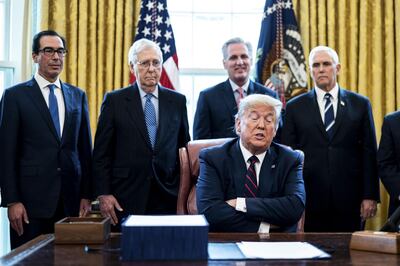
point(332, 53)
point(233, 41)
point(260, 99)
point(141, 45)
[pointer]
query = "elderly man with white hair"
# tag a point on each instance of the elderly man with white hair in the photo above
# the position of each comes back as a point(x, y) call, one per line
point(251, 184)
point(335, 129)
point(139, 132)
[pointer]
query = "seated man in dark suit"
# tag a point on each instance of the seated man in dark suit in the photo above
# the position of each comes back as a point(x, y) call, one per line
point(217, 106)
point(251, 182)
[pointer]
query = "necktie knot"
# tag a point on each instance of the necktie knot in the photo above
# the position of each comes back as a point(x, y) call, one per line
point(253, 159)
point(327, 96)
point(149, 96)
point(51, 87)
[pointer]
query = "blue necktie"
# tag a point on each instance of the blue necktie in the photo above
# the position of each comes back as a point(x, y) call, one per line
point(250, 183)
point(150, 117)
point(53, 108)
point(329, 115)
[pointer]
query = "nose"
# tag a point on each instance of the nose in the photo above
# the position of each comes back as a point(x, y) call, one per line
point(261, 123)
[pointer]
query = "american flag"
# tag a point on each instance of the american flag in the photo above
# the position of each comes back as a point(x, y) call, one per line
point(154, 24)
point(280, 61)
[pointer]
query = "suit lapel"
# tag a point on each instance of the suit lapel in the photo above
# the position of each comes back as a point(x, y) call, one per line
point(314, 112)
point(164, 114)
point(226, 94)
point(238, 169)
point(266, 181)
point(68, 102)
point(135, 110)
point(341, 110)
point(40, 103)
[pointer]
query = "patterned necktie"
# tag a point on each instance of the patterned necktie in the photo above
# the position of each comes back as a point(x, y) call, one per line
point(53, 108)
point(250, 184)
point(239, 97)
point(150, 117)
point(329, 115)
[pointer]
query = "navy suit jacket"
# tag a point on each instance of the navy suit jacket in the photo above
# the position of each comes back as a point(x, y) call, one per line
point(124, 162)
point(216, 110)
point(281, 198)
point(341, 171)
point(389, 158)
point(37, 168)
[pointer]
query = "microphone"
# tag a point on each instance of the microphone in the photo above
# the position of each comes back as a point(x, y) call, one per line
point(392, 223)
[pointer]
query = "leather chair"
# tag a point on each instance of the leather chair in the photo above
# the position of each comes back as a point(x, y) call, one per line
point(189, 172)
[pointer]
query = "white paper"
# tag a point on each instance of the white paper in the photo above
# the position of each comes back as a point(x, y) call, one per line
point(281, 250)
point(166, 220)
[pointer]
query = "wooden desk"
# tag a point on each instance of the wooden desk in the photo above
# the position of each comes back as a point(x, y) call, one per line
point(43, 251)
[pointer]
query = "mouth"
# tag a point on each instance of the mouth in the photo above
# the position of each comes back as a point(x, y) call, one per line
point(259, 136)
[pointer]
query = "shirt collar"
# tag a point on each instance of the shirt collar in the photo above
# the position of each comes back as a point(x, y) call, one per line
point(235, 86)
point(43, 83)
point(247, 154)
point(143, 93)
point(333, 92)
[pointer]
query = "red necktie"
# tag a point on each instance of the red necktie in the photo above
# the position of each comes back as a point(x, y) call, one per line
point(240, 95)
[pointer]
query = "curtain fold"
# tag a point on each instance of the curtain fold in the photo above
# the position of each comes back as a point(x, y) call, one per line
point(366, 35)
point(98, 34)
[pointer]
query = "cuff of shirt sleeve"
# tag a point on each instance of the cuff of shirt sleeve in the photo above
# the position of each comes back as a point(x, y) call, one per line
point(264, 228)
point(241, 204)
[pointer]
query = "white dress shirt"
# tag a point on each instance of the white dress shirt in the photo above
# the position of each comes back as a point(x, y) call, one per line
point(321, 100)
point(241, 202)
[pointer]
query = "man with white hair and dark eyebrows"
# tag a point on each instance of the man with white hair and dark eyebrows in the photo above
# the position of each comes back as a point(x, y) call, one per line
point(251, 184)
point(335, 129)
point(139, 132)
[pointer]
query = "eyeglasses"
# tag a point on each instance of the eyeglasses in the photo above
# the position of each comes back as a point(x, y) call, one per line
point(48, 51)
point(146, 64)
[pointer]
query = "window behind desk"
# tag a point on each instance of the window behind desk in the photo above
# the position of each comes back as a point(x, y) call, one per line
point(200, 29)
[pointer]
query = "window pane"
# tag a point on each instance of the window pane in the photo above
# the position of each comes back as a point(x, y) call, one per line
point(2, 30)
point(6, 79)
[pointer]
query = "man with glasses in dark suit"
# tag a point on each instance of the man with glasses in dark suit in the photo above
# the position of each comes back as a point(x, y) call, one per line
point(45, 146)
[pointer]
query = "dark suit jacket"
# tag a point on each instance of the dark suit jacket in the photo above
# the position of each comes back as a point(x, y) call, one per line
point(124, 162)
point(216, 110)
point(37, 168)
point(281, 198)
point(389, 158)
point(340, 172)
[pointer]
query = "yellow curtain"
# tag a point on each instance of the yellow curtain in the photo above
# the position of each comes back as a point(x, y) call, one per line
point(366, 35)
point(98, 34)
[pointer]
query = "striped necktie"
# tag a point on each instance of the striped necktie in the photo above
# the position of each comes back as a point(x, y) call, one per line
point(329, 115)
point(250, 184)
point(150, 118)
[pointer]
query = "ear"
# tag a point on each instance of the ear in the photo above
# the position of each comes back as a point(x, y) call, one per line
point(225, 62)
point(338, 67)
point(237, 126)
point(131, 69)
point(35, 57)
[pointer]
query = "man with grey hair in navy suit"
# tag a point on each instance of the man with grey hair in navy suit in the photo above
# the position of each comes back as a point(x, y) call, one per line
point(252, 184)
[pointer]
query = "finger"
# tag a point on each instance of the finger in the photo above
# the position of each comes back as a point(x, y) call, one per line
point(114, 217)
point(117, 206)
point(19, 227)
point(25, 217)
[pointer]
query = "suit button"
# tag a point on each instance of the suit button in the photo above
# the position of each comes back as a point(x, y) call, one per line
point(58, 169)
